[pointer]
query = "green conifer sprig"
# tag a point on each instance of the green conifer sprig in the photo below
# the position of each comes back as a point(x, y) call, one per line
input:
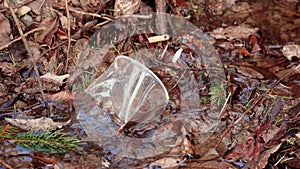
point(42, 141)
point(46, 141)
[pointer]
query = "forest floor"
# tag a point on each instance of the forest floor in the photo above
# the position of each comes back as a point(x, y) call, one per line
point(48, 48)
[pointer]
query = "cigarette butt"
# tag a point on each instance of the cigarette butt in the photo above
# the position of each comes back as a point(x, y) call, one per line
point(159, 38)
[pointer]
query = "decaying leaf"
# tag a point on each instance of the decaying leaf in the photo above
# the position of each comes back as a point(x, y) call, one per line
point(298, 134)
point(211, 165)
point(92, 5)
point(4, 31)
point(42, 123)
point(293, 163)
point(62, 96)
point(126, 7)
point(59, 79)
point(245, 151)
point(233, 32)
point(50, 26)
point(271, 133)
point(290, 51)
point(261, 160)
point(23, 10)
point(167, 162)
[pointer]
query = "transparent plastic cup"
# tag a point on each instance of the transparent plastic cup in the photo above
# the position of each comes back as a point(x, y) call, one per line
point(129, 91)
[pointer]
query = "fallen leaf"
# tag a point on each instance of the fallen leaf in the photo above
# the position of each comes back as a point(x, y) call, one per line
point(262, 129)
point(273, 130)
point(261, 160)
point(4, 31)
point(245, 151)
point(233, 32)
point(126, 7)
point(50, 26)
point(290, 51)
point(62, 96)
point(42, 123)
point(293, 163)
point(46, 159)
point(93, 6)
point(36, 7)
point(59, 79)
point(23, 10)
point(167, 162)
point(210, 165)
point(298, 134)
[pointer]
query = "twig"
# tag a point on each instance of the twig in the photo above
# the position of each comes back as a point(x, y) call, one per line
point(69, 35)
point(101, 24)
point(160, 6)
point(19, 38)
point(149, 16)
point(178, 80)
point(5, 164)
point(54, 47)
point(30, 55)
point(85, 13)
point(40, 7)
point(256, 102)
point(225, 105)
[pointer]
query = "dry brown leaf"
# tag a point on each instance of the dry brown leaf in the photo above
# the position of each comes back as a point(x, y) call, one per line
point(23, 10)
point(293, 163)
point(245, 151)
point(167, 162)
point(59, 79)
point(93, 5)
point(42, 123)
point(298, 134)
point(233, 32)
point(261, 160)
point(290, 51)
point(273, 130)
point(62, 96)
point(4, 31)
point(126, 7)
point(50, 26)
point(46, 159)
point(211, 165)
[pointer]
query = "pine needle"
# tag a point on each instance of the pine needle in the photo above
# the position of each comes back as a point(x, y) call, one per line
point(47, 141)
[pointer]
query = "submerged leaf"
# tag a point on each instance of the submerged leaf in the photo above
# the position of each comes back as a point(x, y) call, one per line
point(42, 123)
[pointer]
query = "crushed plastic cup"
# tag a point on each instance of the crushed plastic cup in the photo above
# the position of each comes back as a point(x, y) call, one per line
point(129, 91)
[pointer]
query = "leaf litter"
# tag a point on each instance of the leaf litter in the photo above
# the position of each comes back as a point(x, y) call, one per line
point(266, 136)
point(43, 123)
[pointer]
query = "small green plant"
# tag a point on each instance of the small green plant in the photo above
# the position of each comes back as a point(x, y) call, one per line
point(41, 141)
point(15, 107)
point(12, 58)
point(217, 92)
point(86, 79)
